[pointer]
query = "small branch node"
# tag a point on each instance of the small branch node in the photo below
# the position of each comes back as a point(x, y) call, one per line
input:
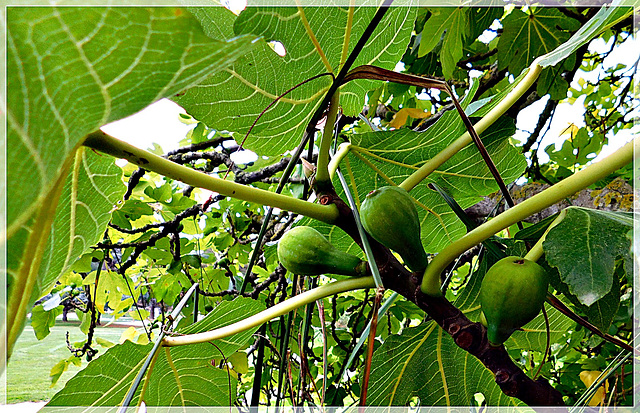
point(502, 377)
point(466, 339)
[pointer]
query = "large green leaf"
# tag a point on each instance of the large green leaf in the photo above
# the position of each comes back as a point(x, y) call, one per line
point(316, 40)
point(602, 312)
point(465, 176)
point(584, 248)
point(181, 376)
point(424, 362)
point(530, 34)
point(70, 71)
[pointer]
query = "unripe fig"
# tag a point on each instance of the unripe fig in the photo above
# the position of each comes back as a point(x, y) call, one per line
point(511, 295)
point(390, 216)
point(303, 250)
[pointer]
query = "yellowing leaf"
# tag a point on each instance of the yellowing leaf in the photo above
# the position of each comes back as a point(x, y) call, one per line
point(104, 343)
point(142, 339)
point(139, 314)
point(128, 334)
point(570, 130)
point(588, 378)
point(400, 118)
point(240, 362)
point(61, 367)
point(134, 336)
point(121, 305)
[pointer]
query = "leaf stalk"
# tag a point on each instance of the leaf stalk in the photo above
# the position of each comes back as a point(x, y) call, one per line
point(340, 154)
point(277, 310)
point(322, 172)
point(105, 143)
point(536, 252)
point(538, 202)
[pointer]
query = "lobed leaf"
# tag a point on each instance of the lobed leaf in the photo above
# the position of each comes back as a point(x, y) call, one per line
point(70, 71)
point(585, 246)
point(530, 34)
point(316, 40)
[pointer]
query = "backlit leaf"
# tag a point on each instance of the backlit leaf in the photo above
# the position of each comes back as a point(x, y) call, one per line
point(530, 34)
point(316, 40)
point(70, 71)
point(452, 25)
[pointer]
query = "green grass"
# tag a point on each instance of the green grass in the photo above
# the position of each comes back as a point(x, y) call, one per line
point(32, 360)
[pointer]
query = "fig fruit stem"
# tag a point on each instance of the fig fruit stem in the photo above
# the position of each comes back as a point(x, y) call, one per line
point(494, 114)
point(536, 203)
point(536, 251)
point(322, 172)
point(277, 310)
point(341, 153)
point(105, 143)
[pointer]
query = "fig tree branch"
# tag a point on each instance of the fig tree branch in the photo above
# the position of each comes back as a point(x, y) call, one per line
point(559, 305)
point(469, 336)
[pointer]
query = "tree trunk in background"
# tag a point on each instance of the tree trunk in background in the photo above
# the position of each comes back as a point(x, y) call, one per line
point(616, 196)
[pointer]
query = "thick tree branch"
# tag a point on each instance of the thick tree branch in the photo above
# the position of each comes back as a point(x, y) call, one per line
point(468, 335)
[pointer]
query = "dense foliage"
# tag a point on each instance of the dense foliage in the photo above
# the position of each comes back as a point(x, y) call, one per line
point(85, 235)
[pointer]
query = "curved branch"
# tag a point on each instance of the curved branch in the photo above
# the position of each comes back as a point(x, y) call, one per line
point(105, 143)
point(538, 202)
point(277, 310)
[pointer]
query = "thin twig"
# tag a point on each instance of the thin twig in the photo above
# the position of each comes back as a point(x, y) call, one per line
point(371, 344)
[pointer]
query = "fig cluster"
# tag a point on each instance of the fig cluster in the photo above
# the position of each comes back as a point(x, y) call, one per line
point(512, 293)
point(388, 215)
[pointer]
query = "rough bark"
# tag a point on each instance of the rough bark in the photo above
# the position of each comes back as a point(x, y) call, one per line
point(616, 196)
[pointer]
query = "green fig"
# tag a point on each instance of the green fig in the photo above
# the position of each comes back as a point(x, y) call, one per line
point(511, 295)
point(390, 216)
point(303, 250)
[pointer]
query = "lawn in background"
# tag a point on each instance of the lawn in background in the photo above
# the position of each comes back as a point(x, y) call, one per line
point(32, 360)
